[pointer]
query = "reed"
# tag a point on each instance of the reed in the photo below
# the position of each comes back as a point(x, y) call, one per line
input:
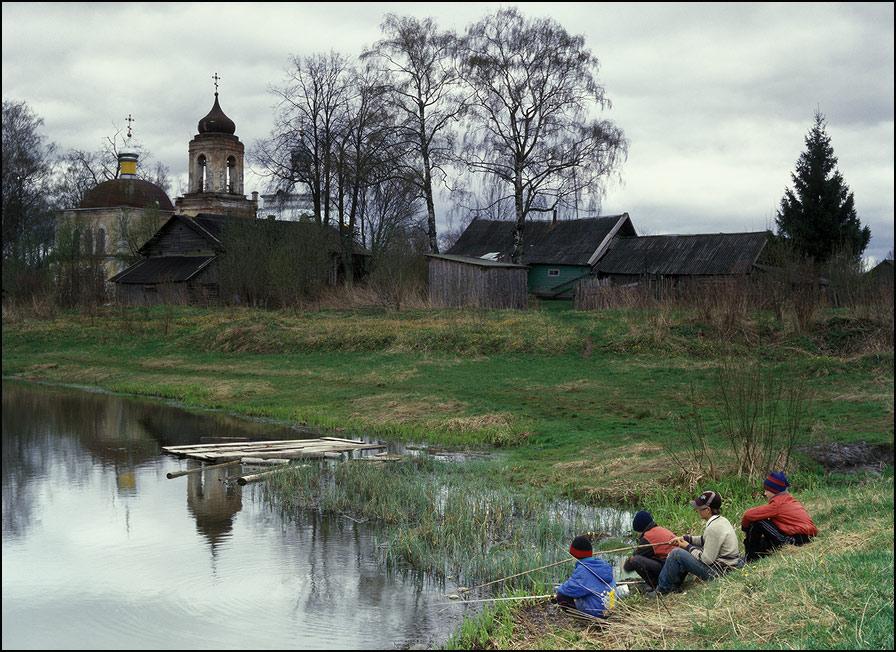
point(449, 519)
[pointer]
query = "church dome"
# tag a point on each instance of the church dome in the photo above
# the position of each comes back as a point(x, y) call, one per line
point(127, 192)
point(216, 122)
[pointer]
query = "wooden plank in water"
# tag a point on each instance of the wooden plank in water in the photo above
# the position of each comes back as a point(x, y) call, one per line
point(177, 474)
point(348, 441)
point(297, 453)
point(255, 477)
point(322, 446)
point(257, 461)
point(222, 440)
point(260, 442)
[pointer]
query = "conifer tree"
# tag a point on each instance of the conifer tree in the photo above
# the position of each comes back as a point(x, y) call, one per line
point(818, 217)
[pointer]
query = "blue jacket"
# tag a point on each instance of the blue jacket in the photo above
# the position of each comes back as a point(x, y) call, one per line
point(593, 587)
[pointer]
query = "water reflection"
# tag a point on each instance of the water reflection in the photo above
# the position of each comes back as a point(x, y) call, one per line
point(213, 502)
point(99, 550)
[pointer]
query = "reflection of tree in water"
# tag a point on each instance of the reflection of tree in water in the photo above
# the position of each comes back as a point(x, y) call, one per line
point(343, 575)
point(62, 436)
point(213, 503)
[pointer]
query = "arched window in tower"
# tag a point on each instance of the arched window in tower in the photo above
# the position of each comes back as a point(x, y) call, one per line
point(101, 242)
point(202, 173)
point(231, 174)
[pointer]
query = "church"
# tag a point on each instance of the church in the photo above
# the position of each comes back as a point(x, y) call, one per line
point(181, 259)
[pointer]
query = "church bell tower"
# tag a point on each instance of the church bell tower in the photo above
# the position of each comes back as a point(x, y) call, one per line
point(216, 169)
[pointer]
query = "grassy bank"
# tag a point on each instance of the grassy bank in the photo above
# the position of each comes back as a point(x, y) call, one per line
point(836, 592)
point(583, 405)
point(591, 396)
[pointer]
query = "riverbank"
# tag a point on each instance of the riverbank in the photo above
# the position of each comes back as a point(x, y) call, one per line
point(585, 406)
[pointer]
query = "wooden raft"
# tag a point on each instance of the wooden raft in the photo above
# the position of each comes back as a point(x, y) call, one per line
point(285, 449)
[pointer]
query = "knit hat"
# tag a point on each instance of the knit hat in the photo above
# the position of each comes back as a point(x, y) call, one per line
point(642, 521)
point(581, 547)
point(776, 482)
point(707, 499)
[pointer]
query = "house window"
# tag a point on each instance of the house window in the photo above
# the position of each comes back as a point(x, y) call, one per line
point(553, 272)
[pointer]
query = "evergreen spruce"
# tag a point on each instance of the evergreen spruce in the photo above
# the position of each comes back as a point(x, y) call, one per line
point(818, 217)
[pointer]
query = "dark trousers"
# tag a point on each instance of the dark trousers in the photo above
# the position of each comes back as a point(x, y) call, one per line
point(763, 538)
point(649, 569)
point(566, 601)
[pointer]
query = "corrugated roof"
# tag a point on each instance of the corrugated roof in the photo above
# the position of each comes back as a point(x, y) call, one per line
point(163, 269)
point(702, 254)
point(482, 262)
point(565, 242)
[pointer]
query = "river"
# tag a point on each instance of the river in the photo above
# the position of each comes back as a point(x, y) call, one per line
point(101, 551)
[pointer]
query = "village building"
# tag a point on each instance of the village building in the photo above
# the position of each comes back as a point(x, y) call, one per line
point(215, 165)
point(116, 216)
point(182, 260)
point(678, 257)
point(882, 273)
point(561, 256)
point(462, 281)
point(557, 253)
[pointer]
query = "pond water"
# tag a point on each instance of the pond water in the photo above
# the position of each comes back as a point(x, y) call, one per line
point(101, 551)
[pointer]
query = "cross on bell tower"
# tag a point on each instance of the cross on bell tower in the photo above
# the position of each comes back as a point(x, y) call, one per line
point(216, 78)
point(129, 120)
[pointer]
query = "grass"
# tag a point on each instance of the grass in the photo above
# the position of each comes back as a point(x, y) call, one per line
point(584, 407)
point(836, 592)
point(447, 518)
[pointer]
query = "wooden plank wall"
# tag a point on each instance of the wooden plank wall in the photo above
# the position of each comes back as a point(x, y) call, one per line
point(462, 285)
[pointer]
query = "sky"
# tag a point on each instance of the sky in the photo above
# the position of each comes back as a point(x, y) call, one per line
point(715, 99)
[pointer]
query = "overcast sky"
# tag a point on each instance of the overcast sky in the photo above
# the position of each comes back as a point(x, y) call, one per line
point(716, 100)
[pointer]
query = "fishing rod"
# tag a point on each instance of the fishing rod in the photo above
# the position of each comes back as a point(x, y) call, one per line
point(558, 563)
point(523, 597)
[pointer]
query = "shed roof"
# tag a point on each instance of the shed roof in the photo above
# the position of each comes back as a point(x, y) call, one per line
point(688, 255)
point(565, 242)
point(481, 262)
point(163, 269)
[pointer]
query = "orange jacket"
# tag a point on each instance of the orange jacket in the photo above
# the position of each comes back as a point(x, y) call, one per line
point(787, 514)
point(658, 536)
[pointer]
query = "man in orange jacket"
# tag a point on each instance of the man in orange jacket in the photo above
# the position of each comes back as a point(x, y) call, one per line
point(783, 521)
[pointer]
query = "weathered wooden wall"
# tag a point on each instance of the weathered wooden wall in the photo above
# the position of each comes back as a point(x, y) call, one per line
point(462, 285)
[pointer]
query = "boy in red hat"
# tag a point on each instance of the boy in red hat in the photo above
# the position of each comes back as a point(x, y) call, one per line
point(591, 588)
point(783, 521)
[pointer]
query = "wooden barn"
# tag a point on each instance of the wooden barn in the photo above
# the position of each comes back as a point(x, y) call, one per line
point(183, 260)
point(465, 282)
point(557, 253)
point(680, 257)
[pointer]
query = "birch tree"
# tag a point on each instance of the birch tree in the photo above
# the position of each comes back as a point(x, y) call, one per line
point(422, 62)
point(534, 96)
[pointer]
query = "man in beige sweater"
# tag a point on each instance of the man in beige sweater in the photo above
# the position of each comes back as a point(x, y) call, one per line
point(707, 556)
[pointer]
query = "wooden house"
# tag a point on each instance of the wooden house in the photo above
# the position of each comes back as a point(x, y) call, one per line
point(182, 261)
point(557, 253)
point(677, 257)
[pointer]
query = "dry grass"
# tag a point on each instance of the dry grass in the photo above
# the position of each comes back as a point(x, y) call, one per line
point(394, 408)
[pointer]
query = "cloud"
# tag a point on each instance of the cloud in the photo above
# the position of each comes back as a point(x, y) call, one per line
point(715, 99)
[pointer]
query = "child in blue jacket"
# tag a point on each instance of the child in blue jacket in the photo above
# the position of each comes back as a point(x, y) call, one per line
point(591, 588)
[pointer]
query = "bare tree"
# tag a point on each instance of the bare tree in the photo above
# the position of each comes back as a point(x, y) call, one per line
point(391, 209)
point(425, 90)
point(368, 152)
point(301, 147)
point(534, 90)
point(27, 209)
